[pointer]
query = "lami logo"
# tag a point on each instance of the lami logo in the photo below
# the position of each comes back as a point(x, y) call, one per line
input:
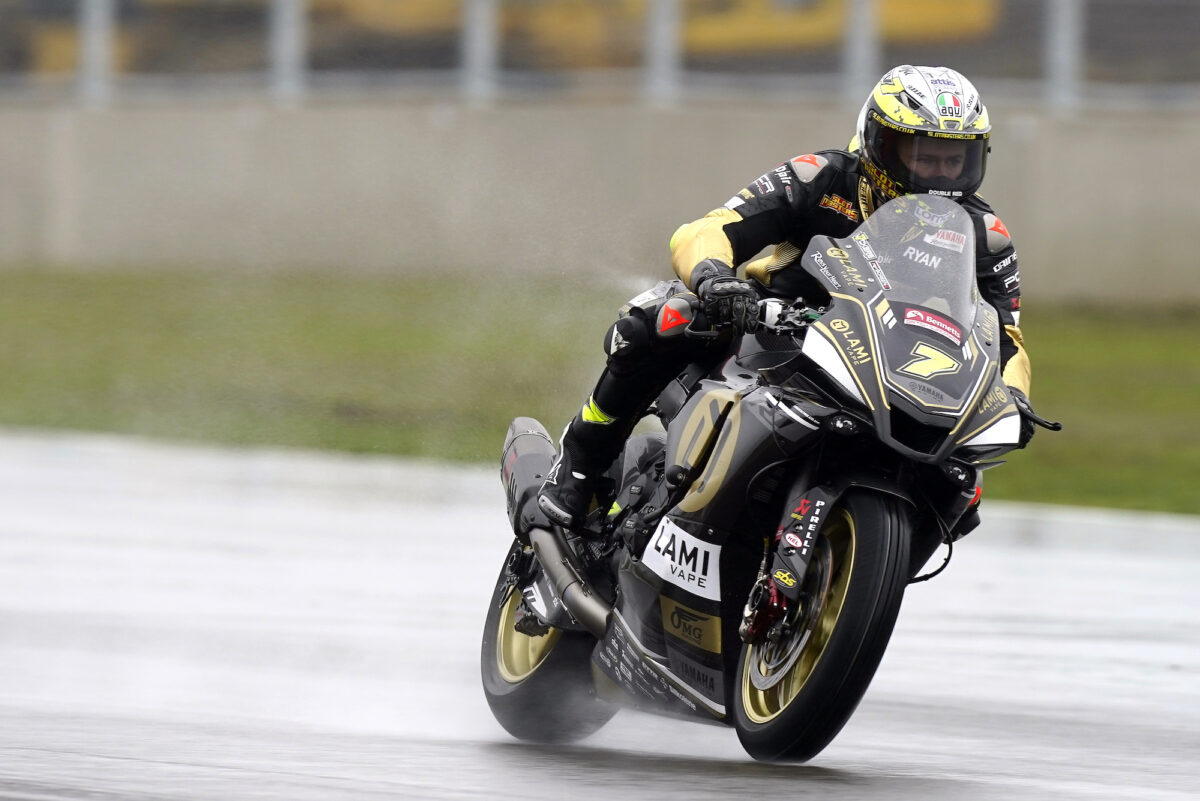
point(995, 399)
point(854, 347)
point(684, 560)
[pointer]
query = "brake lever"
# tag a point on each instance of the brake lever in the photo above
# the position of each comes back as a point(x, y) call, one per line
point(693, 333)
point(1049, 425)
point(1025, 409)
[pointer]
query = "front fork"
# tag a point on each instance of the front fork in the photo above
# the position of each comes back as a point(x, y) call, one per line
point(777, 589)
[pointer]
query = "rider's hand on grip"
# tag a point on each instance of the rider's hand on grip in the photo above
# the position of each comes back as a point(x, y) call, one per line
point(1030, 420)
point(729, 302)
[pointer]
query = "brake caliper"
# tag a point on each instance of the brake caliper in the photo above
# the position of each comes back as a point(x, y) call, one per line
point(765, 607)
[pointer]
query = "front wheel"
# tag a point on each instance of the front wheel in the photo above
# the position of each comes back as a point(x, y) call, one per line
point(796, 691)
point(539, 688)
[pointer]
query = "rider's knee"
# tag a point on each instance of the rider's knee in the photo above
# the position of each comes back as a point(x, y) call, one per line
point(627, 340)
point(652, 326)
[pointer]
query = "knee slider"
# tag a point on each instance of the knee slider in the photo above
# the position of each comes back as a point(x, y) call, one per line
point(626, 339)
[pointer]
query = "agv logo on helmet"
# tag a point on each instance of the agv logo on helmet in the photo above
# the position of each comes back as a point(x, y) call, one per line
point(949, 105)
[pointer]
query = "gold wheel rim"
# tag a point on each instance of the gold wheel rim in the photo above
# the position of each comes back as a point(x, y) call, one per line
point(519, 655)
point(764, 705)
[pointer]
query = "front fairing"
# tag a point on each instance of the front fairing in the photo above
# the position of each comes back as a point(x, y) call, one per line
point(906, 335)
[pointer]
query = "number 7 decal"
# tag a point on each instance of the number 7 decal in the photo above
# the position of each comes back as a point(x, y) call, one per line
point(930, 362)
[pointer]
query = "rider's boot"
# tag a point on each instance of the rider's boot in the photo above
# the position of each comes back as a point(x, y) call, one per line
point(591, 441)
point(589, 444)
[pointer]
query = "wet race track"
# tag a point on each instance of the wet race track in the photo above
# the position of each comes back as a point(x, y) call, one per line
point(187, 623)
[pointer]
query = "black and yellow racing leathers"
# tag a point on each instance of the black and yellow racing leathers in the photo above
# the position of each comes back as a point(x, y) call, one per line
point(825, 194)
point(821, 193)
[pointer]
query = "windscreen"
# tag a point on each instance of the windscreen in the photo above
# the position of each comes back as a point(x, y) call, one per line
point(925, 249)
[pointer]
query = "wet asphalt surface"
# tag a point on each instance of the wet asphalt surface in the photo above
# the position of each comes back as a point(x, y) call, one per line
point(185, 623)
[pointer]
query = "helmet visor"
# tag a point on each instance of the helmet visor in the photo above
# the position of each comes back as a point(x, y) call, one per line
point(923, 163)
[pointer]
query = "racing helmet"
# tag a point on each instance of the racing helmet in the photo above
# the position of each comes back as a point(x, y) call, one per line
point(923, 130)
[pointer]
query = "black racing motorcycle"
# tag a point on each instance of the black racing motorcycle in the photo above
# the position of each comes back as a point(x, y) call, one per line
point(748, 564)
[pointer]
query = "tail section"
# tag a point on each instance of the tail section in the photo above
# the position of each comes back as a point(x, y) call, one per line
point(528, 454)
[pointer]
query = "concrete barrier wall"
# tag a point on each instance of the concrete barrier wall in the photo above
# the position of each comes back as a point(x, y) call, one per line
point(1096, 205)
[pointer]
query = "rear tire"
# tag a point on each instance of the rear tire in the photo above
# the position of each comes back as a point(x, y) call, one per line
point(539, 688)
point(792, 697)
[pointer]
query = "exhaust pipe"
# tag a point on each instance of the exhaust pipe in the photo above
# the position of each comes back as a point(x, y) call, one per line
point(559, 563)
point(528, 454)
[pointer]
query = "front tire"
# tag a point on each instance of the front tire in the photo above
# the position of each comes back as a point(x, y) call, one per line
point(794, 695)
point(539, 688)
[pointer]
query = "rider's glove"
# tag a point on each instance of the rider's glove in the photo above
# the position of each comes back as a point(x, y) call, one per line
point(729, 302)
point(1029, 418)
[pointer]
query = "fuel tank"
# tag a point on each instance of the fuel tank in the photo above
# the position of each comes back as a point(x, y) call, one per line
point(723, 438)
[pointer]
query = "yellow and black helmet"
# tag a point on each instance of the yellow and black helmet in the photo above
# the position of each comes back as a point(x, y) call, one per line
point(923, 129)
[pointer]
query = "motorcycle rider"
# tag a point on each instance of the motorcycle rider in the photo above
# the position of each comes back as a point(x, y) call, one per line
point(921, 130)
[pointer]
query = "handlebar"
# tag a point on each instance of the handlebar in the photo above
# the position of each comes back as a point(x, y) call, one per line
point(774, 315)
point(780, 317)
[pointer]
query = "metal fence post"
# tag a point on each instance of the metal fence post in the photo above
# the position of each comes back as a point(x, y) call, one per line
point(480, 51)
point(288, 36)
point(664, 52)
point(1064, 54)
point(97, 26)
point(860, 51)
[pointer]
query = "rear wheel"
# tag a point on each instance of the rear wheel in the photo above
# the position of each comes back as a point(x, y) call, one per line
point(538, 687)
point(796, 691)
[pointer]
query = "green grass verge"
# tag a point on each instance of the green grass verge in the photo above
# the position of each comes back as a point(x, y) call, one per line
point(437, 366)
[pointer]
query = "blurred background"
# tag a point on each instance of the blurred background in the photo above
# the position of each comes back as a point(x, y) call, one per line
point(391, 225)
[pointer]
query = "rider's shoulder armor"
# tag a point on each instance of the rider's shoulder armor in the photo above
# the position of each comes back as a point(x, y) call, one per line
point(996, 234)
point(997, 268)
point(808, 166)
point(793, 182)
point(993, 235)
point(823, 164)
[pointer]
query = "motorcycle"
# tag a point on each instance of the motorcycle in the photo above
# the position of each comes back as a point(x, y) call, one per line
point(748, 563)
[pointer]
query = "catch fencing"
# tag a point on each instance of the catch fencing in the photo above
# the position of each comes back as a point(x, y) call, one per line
point(566, 136)
point(1063, 55)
